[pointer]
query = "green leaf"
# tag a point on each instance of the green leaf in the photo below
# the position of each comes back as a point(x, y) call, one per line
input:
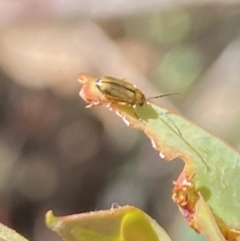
point(213, 164)
point(204, 221)
point(117, 224)
point(212, 167)
point(8, 234)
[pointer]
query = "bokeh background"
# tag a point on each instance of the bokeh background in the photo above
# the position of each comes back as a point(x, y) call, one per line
point(55, 154)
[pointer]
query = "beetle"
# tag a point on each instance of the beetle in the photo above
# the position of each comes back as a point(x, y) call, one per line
point(123, 92)
point(114, 90)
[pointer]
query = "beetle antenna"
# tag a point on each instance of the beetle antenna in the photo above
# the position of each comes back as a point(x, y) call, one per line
point(159, 96)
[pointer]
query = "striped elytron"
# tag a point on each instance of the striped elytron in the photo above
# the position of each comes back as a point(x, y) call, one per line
point(114, 90)
point(123, 92)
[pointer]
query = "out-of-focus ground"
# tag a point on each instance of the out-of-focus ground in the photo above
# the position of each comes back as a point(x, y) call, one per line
point(55, 154)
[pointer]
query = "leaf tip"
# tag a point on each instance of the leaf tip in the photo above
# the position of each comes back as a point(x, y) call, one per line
point(52, 221)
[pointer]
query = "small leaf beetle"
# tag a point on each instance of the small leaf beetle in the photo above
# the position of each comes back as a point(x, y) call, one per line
point(109, 90)
point(123, 92)
point(114, 90)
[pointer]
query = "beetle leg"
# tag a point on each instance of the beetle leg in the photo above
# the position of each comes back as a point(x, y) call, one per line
point(135, 113)
point(89, 106)
point(94, 103)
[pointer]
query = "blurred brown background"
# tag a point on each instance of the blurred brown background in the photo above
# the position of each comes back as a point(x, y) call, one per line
point(55, 154)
